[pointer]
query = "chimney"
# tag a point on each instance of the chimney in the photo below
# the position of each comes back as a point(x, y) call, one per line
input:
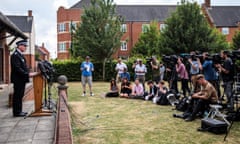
point(42, 45)
point(30, 13)
point(208, 3)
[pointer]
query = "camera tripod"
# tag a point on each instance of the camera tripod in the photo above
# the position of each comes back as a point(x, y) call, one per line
point(235, 115)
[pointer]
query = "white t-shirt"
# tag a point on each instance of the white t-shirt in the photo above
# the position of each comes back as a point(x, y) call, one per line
point(120, 67)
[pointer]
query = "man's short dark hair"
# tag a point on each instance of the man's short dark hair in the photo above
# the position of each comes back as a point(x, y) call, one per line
point(150, 82)
point(200, 76)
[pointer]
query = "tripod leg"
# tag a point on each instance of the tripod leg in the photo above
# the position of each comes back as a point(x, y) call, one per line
point(228, 131)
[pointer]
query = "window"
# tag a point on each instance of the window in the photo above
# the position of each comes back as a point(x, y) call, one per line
point(61, 27)
point(123, 46)
point(225, 30)
point(145, 27)
point(62, 47)
point(72, 26)
point(162, 27)
point(124, 28)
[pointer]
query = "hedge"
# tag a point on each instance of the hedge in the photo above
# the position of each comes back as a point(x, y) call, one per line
point(72, 70)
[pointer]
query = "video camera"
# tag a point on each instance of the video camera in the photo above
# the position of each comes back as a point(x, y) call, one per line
point(194, 57)
point(170, 61)
point(149, 60)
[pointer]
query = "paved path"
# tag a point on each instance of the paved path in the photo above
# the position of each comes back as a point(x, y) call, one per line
point(19, 130)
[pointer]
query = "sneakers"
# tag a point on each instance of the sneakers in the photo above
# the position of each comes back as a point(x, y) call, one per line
point(84, 94)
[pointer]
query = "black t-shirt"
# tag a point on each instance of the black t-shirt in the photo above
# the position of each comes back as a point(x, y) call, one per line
point(228, 65)
point(124, 89)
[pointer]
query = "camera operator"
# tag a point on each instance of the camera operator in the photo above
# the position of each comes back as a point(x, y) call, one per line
point(210, 72)
point(183, 74)
point(195, 66)
point(155, 69)
point(200, 100)
point(227, 74)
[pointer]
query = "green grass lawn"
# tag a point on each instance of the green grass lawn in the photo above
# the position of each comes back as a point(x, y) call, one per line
point(98, 120)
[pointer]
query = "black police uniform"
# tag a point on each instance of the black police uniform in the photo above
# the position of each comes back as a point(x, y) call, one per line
point(19, 78)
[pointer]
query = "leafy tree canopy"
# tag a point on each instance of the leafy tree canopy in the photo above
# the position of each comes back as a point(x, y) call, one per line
point(187, 30)
point(99, 32)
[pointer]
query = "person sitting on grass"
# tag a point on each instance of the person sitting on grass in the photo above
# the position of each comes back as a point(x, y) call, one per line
point(138, 90)
point(126, 88)
point(203, 98)
point(113, 89)
point(152, 90)
point(161, 92)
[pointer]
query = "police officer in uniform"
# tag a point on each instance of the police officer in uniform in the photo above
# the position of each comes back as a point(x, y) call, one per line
point(19, 77)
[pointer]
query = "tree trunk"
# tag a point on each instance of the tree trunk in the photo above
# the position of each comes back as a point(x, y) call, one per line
point(103, 74)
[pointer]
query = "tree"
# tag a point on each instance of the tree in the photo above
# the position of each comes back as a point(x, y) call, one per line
point(99, 33)
point(187, 30)
point(236, 41)
point(148, 42)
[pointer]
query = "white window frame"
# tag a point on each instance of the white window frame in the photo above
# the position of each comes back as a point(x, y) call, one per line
point(61, 27)
point(162, 26)
point(74, 24)
point(124, 28)
point(123, 46)
point(225, 31)
point(62, 47)
point(145, 27)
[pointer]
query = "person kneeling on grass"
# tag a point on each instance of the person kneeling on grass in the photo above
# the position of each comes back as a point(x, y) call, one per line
point(113, 89)
point(138, 90)
point(152, 90)
point(126, 88)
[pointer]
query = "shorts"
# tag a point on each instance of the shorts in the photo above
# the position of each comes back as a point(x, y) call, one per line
point(86, 79)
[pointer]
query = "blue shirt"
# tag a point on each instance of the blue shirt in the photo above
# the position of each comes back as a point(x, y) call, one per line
point(125, 75)
point(208, 70)
point(87, 68)
point(192, 70)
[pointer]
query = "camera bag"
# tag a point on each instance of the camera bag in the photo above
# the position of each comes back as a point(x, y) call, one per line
point(213, 125)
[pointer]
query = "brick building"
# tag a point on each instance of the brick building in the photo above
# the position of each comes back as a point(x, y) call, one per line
point(225, 18)
point(136, 17)
point(7, 29)
point(42, 52)
point(26, 25)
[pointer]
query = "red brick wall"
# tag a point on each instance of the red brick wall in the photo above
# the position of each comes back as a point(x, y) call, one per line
point(63, 133)
point(66, 16)
point(232, 31)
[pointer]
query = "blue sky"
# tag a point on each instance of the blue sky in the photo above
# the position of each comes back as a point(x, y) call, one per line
point(44, 12)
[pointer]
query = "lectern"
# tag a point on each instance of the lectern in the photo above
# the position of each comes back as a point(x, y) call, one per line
point(38, 85)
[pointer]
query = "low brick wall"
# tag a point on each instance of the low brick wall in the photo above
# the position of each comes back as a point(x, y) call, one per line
point(63, 134)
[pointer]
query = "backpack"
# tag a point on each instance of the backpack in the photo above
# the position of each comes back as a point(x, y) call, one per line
point(183, 104)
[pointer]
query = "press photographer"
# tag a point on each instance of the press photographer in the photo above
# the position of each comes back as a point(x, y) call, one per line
point(203, 98)
point(227, 73)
